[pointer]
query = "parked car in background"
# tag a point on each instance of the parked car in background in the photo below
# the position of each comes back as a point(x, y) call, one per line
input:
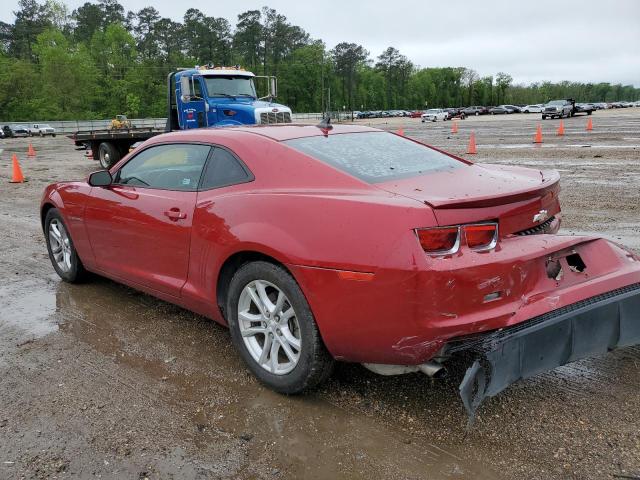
point(557, 109)
point(587, 108)
point(20, 130)
point(416, 114)
point(514, 108)
point(619, 104)
point(41, 129)
point(7, 131)
point(476, 110)
point(433, 115)
point(501, 110)
point(455, 113)
point(537, 108)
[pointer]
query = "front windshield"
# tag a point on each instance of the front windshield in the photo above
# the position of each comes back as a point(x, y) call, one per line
point(556, 102)
point(228, 85)
point(433, 111)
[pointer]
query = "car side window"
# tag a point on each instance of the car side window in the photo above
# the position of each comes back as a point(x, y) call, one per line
point(224, 169)
point(166, 167)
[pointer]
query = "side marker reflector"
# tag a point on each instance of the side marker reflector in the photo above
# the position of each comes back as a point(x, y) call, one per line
point(355, 276)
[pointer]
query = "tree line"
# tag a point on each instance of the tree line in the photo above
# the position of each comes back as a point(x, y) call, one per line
point(100, 60)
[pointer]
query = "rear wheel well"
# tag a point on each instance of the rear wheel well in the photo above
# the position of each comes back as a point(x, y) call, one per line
point(231, 266)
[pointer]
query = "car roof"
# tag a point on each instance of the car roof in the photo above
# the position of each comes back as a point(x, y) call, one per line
point(278, 133)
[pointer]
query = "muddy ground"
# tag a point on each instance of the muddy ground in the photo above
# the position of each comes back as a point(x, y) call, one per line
point(98, 380)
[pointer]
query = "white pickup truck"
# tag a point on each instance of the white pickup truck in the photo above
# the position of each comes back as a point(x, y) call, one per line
point(41, 129)
point(434, 114)
point(558, 109)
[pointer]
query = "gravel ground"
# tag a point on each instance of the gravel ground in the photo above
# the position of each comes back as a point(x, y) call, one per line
point(99, 380)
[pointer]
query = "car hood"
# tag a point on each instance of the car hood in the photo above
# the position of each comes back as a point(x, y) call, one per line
point(513, 195)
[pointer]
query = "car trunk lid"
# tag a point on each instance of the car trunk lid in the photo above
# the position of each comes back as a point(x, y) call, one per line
point(518, 198)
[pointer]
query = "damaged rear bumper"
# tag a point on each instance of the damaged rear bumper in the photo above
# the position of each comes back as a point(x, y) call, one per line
point(589, 327)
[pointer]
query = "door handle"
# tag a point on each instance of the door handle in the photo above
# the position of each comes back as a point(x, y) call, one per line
point(175, 214)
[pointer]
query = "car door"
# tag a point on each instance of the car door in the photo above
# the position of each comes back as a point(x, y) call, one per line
point(140, 226)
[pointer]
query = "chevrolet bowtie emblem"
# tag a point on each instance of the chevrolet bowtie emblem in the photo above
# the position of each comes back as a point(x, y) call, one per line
point(541, 216)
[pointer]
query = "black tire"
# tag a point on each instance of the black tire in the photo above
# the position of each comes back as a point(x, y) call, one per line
point(108, 155)
point(315, 364)
point(53, 134)
point(77, 272)
point(41, 134)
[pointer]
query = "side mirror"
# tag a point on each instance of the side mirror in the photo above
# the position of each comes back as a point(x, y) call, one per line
point(273, 87)
point(185, 88)
point(101, 178)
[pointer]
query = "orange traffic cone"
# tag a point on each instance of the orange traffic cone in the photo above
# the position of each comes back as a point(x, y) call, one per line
point(560, 131)
point(31, 152)
point(589, 125)
point(400, 132)
point(454, 127)
point(472, 144)
point(538, 138)
point(17, 176)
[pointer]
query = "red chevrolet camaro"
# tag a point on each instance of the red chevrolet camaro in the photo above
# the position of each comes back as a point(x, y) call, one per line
point(353, 244)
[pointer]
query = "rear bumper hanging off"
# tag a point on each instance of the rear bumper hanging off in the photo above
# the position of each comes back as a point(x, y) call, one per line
point(591, 327)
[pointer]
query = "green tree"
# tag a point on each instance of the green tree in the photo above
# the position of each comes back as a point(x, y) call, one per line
point(67, 77)
point(347, 58)
point(503, 82)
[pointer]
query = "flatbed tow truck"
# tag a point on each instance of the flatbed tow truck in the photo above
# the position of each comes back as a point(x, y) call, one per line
point(199, 97)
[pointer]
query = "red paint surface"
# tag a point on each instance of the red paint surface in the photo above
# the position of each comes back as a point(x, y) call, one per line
point(319, 222)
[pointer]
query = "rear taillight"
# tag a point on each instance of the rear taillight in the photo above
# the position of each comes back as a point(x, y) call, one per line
point(447, 240)
point(439, 240)
point(481, 237)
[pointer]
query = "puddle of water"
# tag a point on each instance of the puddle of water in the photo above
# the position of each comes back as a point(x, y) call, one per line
point(26, 309)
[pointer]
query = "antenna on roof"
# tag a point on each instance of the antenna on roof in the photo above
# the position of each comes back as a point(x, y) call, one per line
point(325, 123)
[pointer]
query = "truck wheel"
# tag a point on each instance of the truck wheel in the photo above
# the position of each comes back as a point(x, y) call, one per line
point(477, 113)
point(41, 134)
point(108, 155)
point(589, 112)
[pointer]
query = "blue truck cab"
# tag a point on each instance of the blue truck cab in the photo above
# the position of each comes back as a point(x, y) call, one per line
point(212, 96)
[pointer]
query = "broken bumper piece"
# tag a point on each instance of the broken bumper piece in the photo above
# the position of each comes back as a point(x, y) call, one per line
point(587, 328)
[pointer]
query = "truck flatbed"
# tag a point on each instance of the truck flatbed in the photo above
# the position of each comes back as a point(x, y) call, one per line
point(108, 146)
point(137, 134)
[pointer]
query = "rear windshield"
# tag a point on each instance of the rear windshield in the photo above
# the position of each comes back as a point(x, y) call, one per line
point(375, 156)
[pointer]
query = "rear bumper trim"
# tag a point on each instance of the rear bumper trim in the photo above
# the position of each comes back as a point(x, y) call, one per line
point(590, 327)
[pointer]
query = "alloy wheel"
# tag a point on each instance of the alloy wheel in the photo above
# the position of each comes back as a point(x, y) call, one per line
point(269, 327)
point(60, 245)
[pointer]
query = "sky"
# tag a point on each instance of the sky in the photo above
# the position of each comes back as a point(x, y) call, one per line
point(532, 40)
